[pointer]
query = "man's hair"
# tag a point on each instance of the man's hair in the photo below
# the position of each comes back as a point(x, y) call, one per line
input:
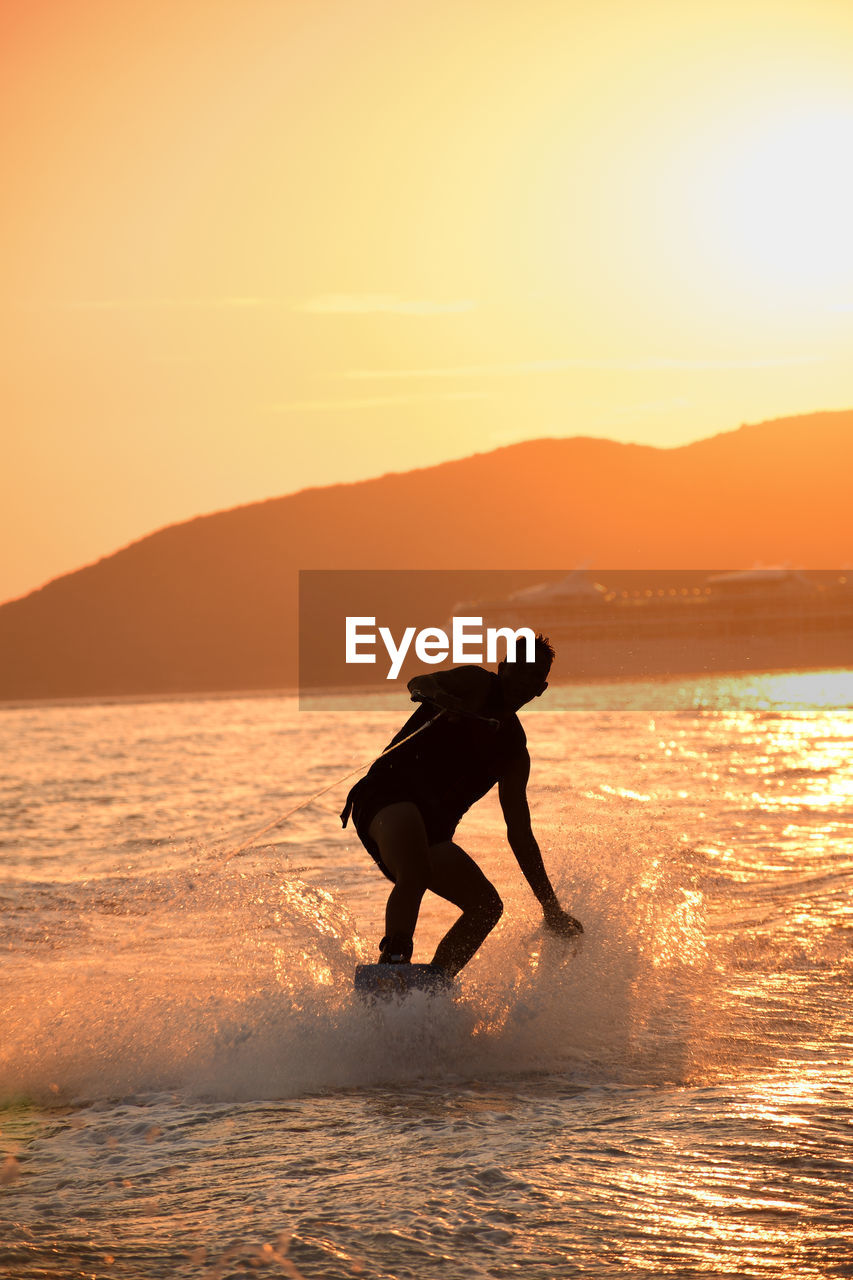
point(544, 653)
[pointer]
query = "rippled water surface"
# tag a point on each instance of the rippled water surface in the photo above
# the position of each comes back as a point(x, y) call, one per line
point(189, 1088)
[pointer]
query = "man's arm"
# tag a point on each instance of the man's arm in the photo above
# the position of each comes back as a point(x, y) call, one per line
point(512, 789)
point(463, 689)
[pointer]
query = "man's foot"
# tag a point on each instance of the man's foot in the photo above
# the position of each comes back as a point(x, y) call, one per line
point(395, 949)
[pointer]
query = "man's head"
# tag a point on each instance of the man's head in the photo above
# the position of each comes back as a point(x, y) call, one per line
point(522, 681)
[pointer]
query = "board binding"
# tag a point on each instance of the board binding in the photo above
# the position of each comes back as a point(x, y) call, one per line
point(388, 980)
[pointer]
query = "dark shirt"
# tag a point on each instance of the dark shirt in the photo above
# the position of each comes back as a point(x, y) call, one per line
point(455, 761)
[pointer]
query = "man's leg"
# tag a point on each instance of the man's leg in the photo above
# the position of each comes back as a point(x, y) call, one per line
point(455, 876)
point(399, 833)
point(445, 869)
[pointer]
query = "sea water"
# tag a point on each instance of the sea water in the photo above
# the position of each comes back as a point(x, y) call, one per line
point(188, 1087)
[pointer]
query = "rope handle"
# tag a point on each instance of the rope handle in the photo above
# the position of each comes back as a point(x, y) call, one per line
point(277, 822)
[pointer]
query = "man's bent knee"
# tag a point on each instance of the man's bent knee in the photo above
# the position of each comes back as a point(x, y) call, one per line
point(490, 909)
point(407, 875)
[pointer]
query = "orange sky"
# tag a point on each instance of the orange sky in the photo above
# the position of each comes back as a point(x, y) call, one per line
point(251, 245)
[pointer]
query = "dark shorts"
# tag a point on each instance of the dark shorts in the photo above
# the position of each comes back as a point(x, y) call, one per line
point(369, 796)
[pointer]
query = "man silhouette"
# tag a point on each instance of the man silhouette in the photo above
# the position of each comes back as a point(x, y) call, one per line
point(467, 737)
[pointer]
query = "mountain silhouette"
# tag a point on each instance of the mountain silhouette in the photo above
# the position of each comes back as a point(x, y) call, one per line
point(211, 604)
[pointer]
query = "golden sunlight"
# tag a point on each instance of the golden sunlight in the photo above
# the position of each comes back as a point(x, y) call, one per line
point(775, 204)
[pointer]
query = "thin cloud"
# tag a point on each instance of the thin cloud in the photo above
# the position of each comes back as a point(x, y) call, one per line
point(324, 304)
point(159, 304)
point(511, 370)
point(369, 402)
point(364, 304)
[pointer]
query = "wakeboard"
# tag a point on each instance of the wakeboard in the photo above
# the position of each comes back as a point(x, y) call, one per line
point(386, 981)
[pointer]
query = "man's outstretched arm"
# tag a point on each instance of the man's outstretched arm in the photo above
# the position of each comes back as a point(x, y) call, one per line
point(512, 789)
point(463, 689)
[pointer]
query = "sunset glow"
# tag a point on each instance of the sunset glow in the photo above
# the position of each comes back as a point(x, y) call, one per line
point(250, 248)
point(782, 205)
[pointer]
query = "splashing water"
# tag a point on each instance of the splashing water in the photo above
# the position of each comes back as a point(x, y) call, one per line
point(192, 1089)
point(236, 982)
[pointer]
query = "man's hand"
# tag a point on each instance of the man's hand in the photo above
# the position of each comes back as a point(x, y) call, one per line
point(463, 690)
point(437, 697)
point(560, 922)
point(448, 704)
